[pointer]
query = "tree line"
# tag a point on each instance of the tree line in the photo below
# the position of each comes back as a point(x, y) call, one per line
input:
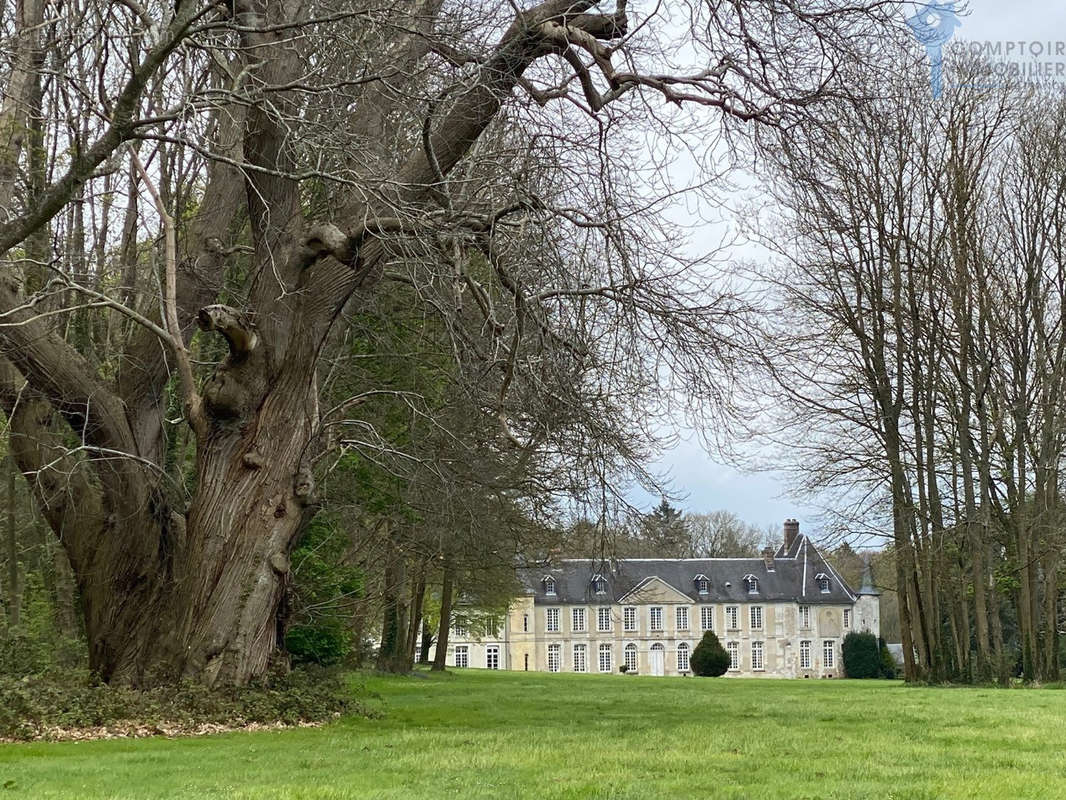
point(915, 352)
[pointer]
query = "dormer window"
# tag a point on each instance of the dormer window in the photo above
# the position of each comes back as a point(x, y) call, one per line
point(752, 583)
point(599, 584)
point(823, 582)
point(703, 585)
point(549, 585)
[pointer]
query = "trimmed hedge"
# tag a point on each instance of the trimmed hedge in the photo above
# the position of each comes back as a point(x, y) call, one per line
point(709, 659)
point(862, 655)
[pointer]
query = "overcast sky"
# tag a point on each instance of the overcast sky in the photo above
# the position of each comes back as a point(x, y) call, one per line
point(762, 498)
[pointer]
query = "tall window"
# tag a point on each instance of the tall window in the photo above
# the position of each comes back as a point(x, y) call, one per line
point(551, 620)
point(577, 619)
point(629, 618)
point(805, 617)
point(755, 618)
point(603, 619)
point(805, 655)
point(462, 655)
point(753, 584)
point(707, 618)
point(847, 618)
point(631, 657)
point(549, 586)
point(599, 585)
point(682, 618)
point(460, 627)
point(734, 654)
point(732, 617)
point(828, 653)
point(525, 623)
point(492, 657)
point(655, 618)
point(756, 656)
point(702, 584)
point(605, 657)
point(682, 657)
point(579, 658)
point(555, 652)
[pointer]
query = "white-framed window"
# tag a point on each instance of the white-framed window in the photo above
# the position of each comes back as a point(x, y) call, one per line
point(823, 582)
point(829, 650)
point(805, 617)
point(655, 618)
point(492, 657)
point(707, 618)
point(462, 655)
point(629, 618)
point(599, 584)
point(682, 657)
point(605, 657)
point(753, 584)
point(733, 649)
point(847, 618)
point(703, 585)
point(459, 627)
point(577, 619)
point(805, 655)
point(756, 656)
point(603, 618)
point(551, 620)
point(580, 664)
point(549, 585)
point(732, 617)
point(555, 657)
point(755, 617)
point(630, 656)
point(681, 617)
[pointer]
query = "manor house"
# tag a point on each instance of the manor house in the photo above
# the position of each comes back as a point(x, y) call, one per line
point(783, 615)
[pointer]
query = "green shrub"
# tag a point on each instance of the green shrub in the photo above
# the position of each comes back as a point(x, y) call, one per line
point(323, 644)
point(888, 662)
point(58, 704)
point(709, 659)
point(862, 656)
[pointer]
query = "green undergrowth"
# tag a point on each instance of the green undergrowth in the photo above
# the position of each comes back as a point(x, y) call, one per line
point(71, 704)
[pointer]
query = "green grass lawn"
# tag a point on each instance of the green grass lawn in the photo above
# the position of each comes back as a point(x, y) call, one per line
point(475, 734)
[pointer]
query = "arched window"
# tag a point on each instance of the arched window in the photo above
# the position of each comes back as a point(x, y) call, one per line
point(549, 585)
point(682, 657)
point(823, 582)
point(631, 657)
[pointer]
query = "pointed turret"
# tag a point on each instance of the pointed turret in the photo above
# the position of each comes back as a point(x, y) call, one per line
point(868, 606)
point(868, 580)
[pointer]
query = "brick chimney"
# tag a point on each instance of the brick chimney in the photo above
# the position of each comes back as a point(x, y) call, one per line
point(768, 558)
point(792, 532)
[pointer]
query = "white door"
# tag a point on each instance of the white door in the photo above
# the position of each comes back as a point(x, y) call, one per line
point(658, 659)
point(492, 657)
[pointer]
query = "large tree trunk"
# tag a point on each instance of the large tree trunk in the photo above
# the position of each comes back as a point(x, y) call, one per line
point(190, 586)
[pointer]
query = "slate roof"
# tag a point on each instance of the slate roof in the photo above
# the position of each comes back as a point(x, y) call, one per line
point(791, 580)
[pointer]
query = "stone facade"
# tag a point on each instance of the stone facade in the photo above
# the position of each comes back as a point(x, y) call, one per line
point(783, 615)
